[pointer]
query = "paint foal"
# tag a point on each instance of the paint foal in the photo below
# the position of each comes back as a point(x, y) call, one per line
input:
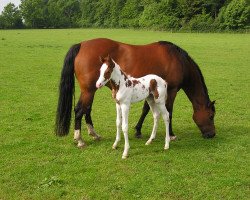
point(127, 90)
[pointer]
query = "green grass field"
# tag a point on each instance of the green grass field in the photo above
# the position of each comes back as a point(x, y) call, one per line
point(35, 164)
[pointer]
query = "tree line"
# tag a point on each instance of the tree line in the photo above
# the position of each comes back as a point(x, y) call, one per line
point(197, 15)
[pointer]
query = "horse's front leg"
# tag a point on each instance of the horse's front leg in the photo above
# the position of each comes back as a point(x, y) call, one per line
point(118, 125)
point(144, 113)
point(125, 112)
point(169, 104)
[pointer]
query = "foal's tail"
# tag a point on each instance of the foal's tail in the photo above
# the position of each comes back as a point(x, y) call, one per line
point(66, 92)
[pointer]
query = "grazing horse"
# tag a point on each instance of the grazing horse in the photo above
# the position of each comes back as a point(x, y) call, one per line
point(164, 59)
point(127, 90)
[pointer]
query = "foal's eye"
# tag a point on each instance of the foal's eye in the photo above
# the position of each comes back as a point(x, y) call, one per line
point(211, 117)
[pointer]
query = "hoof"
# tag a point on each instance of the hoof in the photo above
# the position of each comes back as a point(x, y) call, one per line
point(166, 147)
point(81, 145)
point(173, 138)
point(124, 156)
point(148, 143)
point(138, 135)
point(97, 138)
point(114, 147)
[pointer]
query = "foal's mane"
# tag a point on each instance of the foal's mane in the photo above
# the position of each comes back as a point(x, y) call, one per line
point(186, 60)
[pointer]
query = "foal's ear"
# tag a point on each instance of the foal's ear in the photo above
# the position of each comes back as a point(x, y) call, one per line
point(101, 59)
point(109, 58)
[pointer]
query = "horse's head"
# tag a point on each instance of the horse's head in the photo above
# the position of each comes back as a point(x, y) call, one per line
point(204, 118)
point(105, 71)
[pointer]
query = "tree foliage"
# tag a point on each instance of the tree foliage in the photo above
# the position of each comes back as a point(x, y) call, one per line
point(11, 17)
point(198, 15)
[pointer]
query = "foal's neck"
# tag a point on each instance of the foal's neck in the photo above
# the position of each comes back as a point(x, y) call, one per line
point(118, 76)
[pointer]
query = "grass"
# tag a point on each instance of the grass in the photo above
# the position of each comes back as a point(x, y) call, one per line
point(35, 164)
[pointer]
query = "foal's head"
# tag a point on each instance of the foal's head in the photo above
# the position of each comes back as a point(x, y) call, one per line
point(204, 118)
point(105, 71)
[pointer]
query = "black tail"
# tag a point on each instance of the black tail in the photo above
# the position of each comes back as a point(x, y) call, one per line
point(66, 92)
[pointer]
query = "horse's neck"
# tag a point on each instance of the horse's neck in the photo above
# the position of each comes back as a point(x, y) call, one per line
point(196, 90)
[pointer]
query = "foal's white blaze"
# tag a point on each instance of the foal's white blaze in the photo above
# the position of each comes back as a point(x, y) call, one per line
point(101, 80)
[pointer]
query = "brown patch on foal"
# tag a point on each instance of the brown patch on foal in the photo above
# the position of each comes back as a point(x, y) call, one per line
point(153, 88)
point(128, 83)
point(115, 89)
point(135, 82)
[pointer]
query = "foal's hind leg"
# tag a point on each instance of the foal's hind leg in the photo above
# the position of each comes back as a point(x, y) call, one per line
point(165, 116)
point(156, 115)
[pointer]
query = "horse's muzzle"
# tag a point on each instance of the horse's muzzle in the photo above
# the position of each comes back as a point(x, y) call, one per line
point(208, 135)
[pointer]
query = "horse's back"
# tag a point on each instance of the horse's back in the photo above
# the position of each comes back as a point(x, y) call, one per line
point(135, 60)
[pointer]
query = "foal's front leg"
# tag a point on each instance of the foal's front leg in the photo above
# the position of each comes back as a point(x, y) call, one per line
point(118, 125)
point(125, 112)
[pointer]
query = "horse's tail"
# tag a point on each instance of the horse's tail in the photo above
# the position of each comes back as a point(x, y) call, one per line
point(66, 92)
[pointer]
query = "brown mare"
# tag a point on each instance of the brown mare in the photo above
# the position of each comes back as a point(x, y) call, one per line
point(164, 59)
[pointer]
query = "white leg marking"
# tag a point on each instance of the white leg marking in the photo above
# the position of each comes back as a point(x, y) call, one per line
point(125, 112)
point(92, 132)
point(78, 139)
point(118, 126)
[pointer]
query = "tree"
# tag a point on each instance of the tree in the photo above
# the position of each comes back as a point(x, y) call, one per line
point(130, 14)
point(11, 17)
point(236, 15)
point(35, 13)
point(88, 8)
point(162, 15)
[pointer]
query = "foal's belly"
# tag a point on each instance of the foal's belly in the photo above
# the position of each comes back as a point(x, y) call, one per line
point(139, 93)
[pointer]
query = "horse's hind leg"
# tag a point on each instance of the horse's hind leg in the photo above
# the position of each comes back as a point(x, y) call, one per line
point(90, 125)
point(83, 107)
point(156, 115)
point(78, 122)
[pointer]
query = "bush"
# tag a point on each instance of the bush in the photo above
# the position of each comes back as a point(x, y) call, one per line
point(201, 22)
point(157, 17)
point(236, 15)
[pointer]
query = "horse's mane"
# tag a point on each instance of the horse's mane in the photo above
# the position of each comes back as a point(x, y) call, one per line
point(186, 60)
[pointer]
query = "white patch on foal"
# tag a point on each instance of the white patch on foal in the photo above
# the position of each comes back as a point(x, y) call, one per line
point(127, 90)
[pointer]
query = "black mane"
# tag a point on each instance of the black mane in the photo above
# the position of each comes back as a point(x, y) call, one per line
point(186, 59)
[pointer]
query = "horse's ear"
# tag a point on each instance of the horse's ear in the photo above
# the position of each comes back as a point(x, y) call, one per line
point(211, 105)
point(101, 59)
